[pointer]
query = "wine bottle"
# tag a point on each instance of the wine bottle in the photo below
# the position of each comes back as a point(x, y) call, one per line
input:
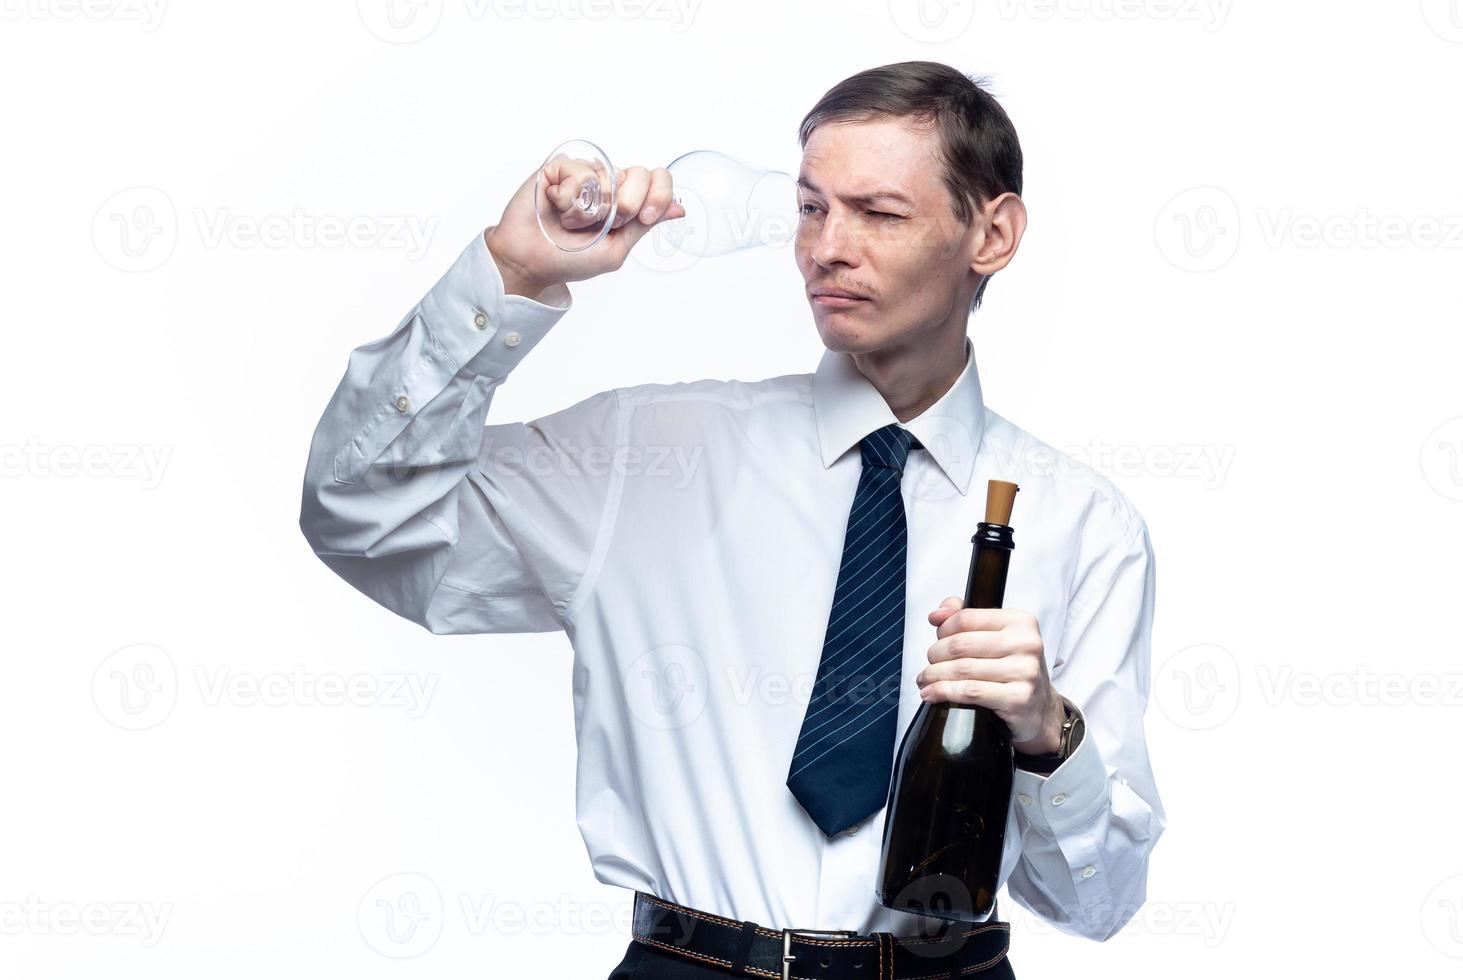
point(945, 823)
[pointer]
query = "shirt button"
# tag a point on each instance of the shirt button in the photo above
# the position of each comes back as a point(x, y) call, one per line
point(511, 338)
point(1089, 871)
point(852, 830)
point(480, 320)
point(1059, 799)
point(1025, 800)
point(401, 403)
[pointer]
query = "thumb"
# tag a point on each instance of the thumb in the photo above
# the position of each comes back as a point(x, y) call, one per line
point(947, 606)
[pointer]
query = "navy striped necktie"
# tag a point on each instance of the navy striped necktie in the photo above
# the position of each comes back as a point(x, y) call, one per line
point(845, 751)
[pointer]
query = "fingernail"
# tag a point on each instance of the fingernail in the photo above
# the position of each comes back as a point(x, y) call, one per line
point(649, 215)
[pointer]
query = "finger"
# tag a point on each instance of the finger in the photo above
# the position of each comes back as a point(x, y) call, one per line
point(981, 693)
point(658, 199)
point(948, 605)
point(565, 179)
point(632, 192)
point(1000, 670)
point(981, 643)
point(975, 619)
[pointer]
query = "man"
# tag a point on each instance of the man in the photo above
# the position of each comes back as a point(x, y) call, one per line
point(716, 550)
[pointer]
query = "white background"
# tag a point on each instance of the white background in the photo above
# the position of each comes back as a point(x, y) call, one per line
point(1237, 297)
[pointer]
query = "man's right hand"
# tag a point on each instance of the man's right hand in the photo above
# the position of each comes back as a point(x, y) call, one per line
point(530, 263)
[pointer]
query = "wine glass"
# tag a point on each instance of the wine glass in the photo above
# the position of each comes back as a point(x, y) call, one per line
point(730, 205)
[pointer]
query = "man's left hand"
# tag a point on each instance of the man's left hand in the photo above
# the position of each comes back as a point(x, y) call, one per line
point(995, 658)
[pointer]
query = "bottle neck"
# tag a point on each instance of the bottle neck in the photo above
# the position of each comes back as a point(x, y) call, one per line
point(985, 588)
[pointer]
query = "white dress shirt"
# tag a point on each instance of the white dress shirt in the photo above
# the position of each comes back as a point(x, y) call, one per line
point(687, 538)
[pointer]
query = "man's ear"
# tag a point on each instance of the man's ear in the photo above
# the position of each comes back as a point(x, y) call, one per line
point(1003, 222)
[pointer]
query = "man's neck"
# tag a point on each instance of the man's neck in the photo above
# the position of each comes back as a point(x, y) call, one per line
point(916, 374)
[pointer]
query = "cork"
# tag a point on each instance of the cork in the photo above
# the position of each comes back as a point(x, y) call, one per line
point(999, 498)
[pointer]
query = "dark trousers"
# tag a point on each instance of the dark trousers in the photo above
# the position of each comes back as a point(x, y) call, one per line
point(642, 962)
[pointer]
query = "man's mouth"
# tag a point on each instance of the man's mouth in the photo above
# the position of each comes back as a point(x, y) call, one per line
point(836, 298)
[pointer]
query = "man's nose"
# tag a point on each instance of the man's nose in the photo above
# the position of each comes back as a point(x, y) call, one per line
point(836, 242)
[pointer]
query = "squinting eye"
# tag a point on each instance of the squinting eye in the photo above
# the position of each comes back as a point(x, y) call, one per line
point(885, 214)
point(803, 209)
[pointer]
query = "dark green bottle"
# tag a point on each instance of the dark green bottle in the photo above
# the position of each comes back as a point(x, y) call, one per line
point(945, 824)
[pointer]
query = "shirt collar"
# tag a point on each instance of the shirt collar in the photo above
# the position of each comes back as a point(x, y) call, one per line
point(848, 407)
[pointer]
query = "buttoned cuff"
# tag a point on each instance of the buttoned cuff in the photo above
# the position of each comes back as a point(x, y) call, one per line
point(477, 325)
point(1074, 793)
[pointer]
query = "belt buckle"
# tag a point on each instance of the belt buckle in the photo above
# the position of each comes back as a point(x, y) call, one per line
point(787, 955)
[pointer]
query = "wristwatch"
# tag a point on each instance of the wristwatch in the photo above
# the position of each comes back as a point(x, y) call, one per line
point(1073, 729)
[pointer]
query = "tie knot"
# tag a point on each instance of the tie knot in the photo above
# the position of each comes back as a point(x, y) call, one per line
point(888, 447)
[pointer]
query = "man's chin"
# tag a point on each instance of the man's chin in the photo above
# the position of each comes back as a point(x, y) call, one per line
point(844, 335)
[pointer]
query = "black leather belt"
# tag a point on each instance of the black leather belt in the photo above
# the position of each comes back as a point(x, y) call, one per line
point(956, 950)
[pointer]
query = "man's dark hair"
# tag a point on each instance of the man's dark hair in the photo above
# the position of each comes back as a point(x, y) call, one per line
point(978, 147)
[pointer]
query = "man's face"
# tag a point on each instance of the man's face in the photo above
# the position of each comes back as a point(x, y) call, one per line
point(906, 255)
